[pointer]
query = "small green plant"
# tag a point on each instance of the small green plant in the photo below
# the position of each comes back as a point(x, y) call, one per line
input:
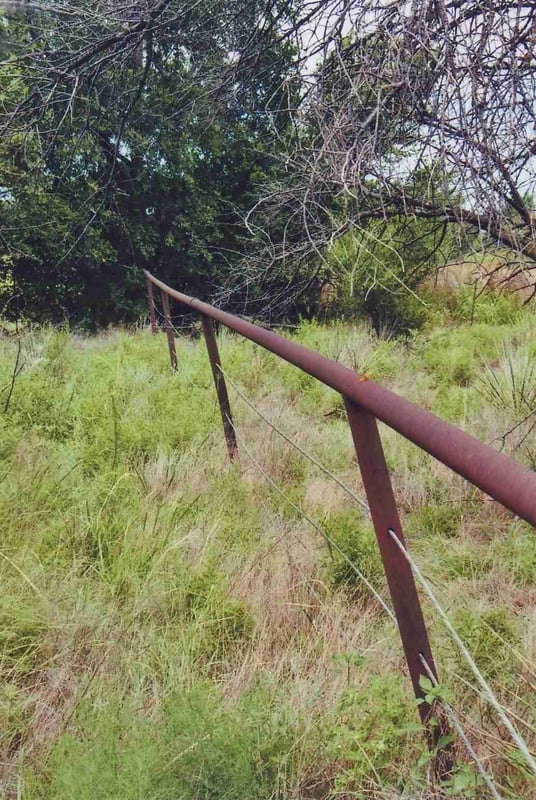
point(491, 637)
point(510, 384)
point(355, 544)
point(465, 782)
point(370, 734)
point(348, 661)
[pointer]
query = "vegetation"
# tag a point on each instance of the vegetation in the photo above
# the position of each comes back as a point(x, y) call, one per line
point(171, 626)
point(145, 171)
point(239, 156)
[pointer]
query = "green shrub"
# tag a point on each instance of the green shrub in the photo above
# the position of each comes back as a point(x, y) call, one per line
point(490, 307)
point(194, 748)
point(451, 365)
point(510, 384)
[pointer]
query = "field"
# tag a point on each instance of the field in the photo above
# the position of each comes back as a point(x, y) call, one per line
point(175, 627)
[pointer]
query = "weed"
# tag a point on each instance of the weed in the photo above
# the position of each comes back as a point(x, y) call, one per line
point(370, 734)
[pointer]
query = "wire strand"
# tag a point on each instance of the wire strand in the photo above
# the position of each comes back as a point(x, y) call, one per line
point(316, 526)
point(448, 708)
point(486, 688)
point(300, 449)
point(461, 733)
point(450, 711)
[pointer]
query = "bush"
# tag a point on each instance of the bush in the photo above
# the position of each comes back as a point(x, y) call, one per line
point(194, 747)
point(491, 307)
point(377, 273)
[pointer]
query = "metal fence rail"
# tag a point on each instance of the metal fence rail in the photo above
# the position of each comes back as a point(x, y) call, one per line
point(496, 474)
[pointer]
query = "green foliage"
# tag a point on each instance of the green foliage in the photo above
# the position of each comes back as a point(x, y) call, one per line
point(490, 636)
point(510, 384)
point(516, 553)
point(223, 620)
point(453, 365)
point(23, 628)
point(166, 629)
point(465, 782)
point(435, 520)
point(370, 733)
point(378, 270)
point(143, 170)
point(464, 559)
point(357, 541)
point(194, 746)
point(489, 307)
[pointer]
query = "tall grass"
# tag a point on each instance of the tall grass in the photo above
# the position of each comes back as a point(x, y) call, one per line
point(170, 628)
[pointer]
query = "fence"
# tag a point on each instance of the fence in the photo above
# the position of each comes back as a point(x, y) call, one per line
point(496, 474)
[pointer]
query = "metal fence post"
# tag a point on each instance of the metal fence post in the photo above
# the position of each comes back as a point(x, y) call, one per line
point(169, 331)
point(400, 578)
point(152, 311)
point(221, 388)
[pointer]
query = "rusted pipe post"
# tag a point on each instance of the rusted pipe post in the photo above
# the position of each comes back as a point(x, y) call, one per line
point(221, 388)
point(152, 310)
point(400, 578)
point(169, 331)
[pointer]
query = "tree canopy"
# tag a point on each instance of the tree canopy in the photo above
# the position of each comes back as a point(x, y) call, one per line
point(228, 145)
point(149, 160)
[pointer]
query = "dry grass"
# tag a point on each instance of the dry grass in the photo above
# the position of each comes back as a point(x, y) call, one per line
point(140, 570)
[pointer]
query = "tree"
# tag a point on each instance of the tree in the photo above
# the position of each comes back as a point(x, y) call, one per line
point(148, 157)
point(444, 87)
point(353, 98)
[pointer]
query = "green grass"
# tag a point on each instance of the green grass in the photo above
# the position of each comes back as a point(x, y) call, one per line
point(171, 628)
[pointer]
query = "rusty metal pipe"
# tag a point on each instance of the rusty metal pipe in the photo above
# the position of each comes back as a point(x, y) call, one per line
point(221, 388)
point(169, 331)
point(500, 476)
point(402, 588)
point(152, 309)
